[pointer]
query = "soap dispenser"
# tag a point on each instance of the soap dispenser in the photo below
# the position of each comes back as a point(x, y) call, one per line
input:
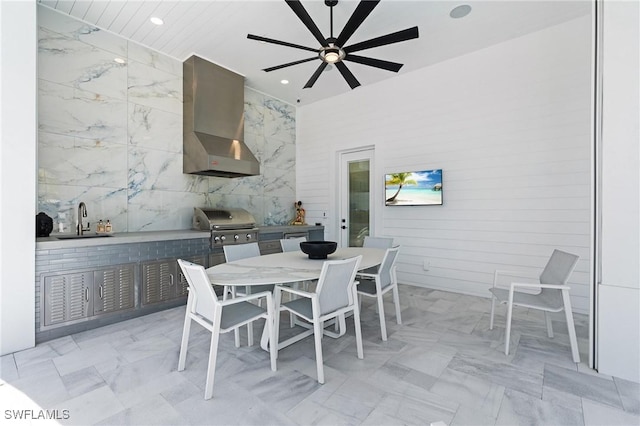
point(108, 228)
point(101, 227)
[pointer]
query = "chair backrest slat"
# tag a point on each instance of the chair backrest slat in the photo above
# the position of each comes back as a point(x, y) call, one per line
point(335, 285)
point(241, 251)
point(377, 242)
point(291, 244)
point(558, 268)
point(205, 301)
point(386, 267)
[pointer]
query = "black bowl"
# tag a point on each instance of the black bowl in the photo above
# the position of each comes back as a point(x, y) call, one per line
point(318, 249)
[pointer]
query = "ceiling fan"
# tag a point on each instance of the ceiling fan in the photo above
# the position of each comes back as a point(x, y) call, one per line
point(333, 50)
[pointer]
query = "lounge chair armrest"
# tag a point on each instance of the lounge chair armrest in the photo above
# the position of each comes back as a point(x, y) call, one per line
point(366, 275)
point(539, 286)
point(295, 291)
point(247, 298)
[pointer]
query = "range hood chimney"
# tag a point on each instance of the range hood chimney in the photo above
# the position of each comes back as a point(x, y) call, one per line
point(213, 127)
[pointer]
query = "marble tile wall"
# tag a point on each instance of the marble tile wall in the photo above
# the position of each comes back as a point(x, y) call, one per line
point(110, 134)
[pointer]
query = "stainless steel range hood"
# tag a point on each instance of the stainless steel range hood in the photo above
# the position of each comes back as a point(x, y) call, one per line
point(213, 127)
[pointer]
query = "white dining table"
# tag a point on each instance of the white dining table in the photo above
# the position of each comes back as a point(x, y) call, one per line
point(285, 268)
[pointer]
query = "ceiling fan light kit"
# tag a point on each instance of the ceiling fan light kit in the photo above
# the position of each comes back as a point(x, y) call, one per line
point(333, 50)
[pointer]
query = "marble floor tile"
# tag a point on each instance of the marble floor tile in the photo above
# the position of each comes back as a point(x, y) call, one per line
point(8, 368)
point(412, 411)
point(522, 409)
point(428, 362)
point(82, 381)
point(140, 349)
point(504, 374)
point(469, 391)
point(154, 410)
point(77, 360)
point(92, 407)
point(596, 414)
point(629, 394)
point(586, 386)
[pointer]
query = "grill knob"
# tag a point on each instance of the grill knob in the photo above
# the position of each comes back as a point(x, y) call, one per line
point(223, 238)
point(248, 236)
point(216, 239)
point(236, 237)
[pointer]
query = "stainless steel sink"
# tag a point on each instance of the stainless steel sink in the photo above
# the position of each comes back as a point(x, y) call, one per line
point(79, 237)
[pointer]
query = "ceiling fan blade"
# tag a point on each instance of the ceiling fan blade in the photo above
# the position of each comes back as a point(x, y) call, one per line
point(302, 14)
point(277, 67)
point(351, 80)
point(315, 75)
point(282, 43)
point(396, 37)
point(378, 63)
point(363, 10)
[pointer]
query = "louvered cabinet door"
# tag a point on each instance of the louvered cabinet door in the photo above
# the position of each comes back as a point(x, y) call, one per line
point(67, 297)
point(183, 287)
point(158, 279)
point(114, 289)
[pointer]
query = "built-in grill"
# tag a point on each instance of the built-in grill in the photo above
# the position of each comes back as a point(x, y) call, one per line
point(227, 226)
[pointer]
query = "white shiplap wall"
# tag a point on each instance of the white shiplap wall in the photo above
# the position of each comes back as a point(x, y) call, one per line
point(510, 127)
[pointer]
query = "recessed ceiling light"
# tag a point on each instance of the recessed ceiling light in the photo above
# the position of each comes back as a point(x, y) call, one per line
point(460, 11)
point(284, 81)
point(119, 60)
point(156, 20)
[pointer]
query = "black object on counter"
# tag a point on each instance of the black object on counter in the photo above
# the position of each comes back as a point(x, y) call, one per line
point(44, 225)
point(318, 249)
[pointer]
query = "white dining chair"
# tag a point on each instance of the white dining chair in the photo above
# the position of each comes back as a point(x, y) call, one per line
point(377, 242)
point(218, 317)
point(378, 284)
point(334, 296)
point(552, 296)
point(291, 244)
point(237, 252)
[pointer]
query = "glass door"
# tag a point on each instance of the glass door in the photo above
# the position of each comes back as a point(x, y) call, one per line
point(355, 197)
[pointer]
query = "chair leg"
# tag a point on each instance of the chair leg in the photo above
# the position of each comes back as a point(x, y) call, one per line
point(276, 320)
point(571, 326)
point(317, 335)
point(211, 369)
point(493, 309)
point(508, 330)
point(356, 324)
point(292, 317)
point(273, 347)
point(547, 318)
point(396, 301)
point(185, 341)
point(383, 325)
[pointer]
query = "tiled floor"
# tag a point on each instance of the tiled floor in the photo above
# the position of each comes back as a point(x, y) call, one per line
point(441, 364)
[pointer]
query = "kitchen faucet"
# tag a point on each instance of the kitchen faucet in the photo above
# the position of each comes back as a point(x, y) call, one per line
point(82, 212)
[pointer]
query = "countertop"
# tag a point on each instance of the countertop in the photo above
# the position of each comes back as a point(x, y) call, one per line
point(52, 243)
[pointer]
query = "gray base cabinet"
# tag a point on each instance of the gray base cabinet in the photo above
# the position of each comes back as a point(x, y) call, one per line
point(67, 297)
point(162, 280)
point(78, 295)
point(114, 289)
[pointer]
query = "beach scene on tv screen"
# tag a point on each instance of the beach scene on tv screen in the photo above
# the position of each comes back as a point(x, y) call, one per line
point(413, 188)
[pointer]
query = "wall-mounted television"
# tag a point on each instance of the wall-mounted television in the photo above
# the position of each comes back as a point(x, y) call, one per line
point(418, 188)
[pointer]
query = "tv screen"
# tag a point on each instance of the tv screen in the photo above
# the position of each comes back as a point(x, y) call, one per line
point(419, 188)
